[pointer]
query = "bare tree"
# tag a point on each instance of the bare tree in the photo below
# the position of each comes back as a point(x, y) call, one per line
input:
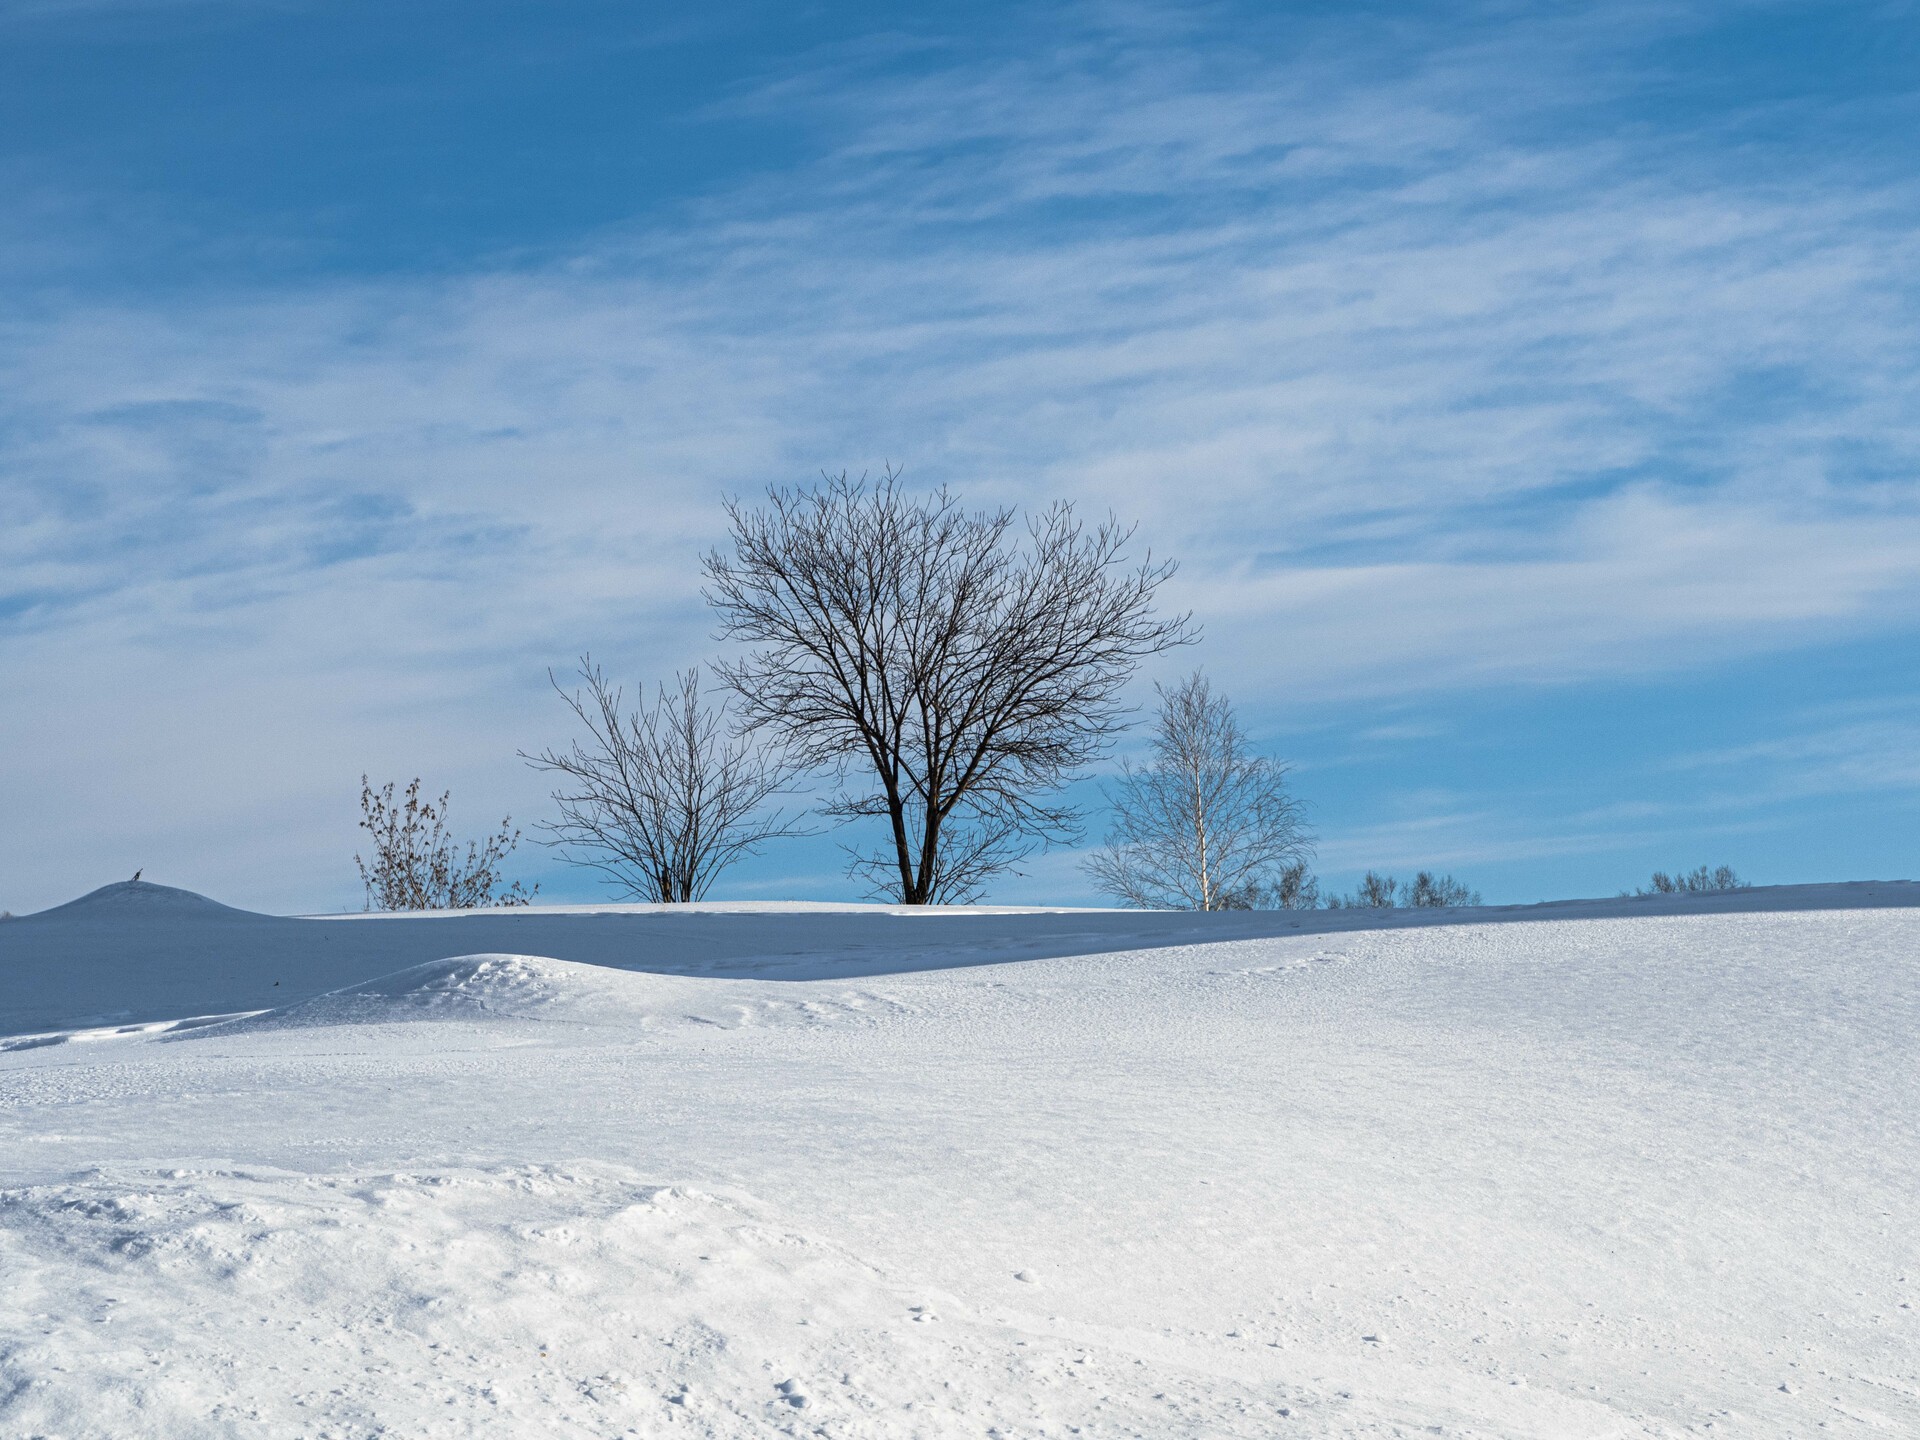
point(951, 677)
point(659, 799)
point(1206, 824)
point(1297, 888)
point(416, 865)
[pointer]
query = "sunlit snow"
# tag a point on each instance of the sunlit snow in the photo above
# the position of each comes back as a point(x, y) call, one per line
point(1620, 1168)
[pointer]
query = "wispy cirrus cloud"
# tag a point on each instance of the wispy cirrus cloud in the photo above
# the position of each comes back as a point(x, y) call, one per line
point(1826, 751)
point(1434, 366)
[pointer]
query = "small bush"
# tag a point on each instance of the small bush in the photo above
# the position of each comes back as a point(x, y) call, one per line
point(416, 865)
point(1293, 888)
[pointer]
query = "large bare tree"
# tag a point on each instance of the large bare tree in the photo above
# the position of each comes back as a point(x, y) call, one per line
point(1205, 824)
point(660, 798)
point(952, 671)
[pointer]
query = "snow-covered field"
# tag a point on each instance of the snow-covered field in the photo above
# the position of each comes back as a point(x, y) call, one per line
point(1616, 1169)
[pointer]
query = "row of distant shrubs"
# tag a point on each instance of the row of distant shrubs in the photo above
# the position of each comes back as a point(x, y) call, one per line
point(1692, 882)
point(1298, 889)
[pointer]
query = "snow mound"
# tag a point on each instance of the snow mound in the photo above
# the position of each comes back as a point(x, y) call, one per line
point(516, 985)
point(142, 901)
point(519, 988)
point(462, 987)
point(531, 1300)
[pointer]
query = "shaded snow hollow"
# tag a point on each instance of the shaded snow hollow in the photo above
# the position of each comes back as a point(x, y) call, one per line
point(1625, 1170)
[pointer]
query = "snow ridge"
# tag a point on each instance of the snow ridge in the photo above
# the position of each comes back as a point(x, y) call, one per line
point(462, 986)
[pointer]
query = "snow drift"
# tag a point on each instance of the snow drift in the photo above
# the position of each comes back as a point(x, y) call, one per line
point(469, 987)
point(581, 1302)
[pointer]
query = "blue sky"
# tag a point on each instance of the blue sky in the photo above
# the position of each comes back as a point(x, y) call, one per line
point(1529, 393)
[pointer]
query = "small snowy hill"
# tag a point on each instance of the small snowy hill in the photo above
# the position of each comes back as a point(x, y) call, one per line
point(1612, 1170)
point(143, 903)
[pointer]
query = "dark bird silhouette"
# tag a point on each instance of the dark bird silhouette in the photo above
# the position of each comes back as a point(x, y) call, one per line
point(138, 873)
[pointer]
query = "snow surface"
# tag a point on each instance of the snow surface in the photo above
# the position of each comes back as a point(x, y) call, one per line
point(1612, 1169)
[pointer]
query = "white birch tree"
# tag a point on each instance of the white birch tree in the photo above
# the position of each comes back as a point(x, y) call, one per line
point(1206, 824)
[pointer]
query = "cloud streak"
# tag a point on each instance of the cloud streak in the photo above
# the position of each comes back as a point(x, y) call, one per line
point(1431, 379)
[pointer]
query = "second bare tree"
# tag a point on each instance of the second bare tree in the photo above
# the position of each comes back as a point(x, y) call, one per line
point(661, 798)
